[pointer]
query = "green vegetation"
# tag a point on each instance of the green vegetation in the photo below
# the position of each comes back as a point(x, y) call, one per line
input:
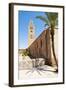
point(25, 53)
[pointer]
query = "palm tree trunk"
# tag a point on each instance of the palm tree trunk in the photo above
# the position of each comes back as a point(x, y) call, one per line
point(52, 38)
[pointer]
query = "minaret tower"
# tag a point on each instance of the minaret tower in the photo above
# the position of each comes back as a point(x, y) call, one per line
point(31, 33)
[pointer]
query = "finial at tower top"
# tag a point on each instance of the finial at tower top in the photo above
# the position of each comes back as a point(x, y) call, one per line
point(31, 23)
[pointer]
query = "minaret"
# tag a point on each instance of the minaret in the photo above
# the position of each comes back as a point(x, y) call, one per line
point(31, 33)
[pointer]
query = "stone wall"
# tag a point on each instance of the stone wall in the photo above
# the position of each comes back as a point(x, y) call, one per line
point(41, 48)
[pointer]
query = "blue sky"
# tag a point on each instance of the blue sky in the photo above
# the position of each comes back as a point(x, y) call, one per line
point(24, 18)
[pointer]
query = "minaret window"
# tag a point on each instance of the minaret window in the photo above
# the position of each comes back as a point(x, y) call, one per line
point(31, 27)
point(31, 31)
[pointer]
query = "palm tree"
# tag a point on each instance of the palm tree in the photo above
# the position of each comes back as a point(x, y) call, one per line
point(50, 20)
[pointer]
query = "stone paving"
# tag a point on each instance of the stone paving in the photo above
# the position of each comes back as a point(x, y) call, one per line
point(27, 71)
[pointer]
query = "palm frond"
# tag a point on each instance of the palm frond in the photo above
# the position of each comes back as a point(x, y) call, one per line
point(52, 17)
point(45, 20)
point(56, 22)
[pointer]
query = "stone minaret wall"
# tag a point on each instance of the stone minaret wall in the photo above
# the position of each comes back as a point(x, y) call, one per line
point(31, 33)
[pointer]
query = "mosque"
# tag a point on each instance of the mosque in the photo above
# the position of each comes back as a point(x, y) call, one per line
point(40, 47)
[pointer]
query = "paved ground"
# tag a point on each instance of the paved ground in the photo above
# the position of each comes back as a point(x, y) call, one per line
point(26, 70)
point(36, 74)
